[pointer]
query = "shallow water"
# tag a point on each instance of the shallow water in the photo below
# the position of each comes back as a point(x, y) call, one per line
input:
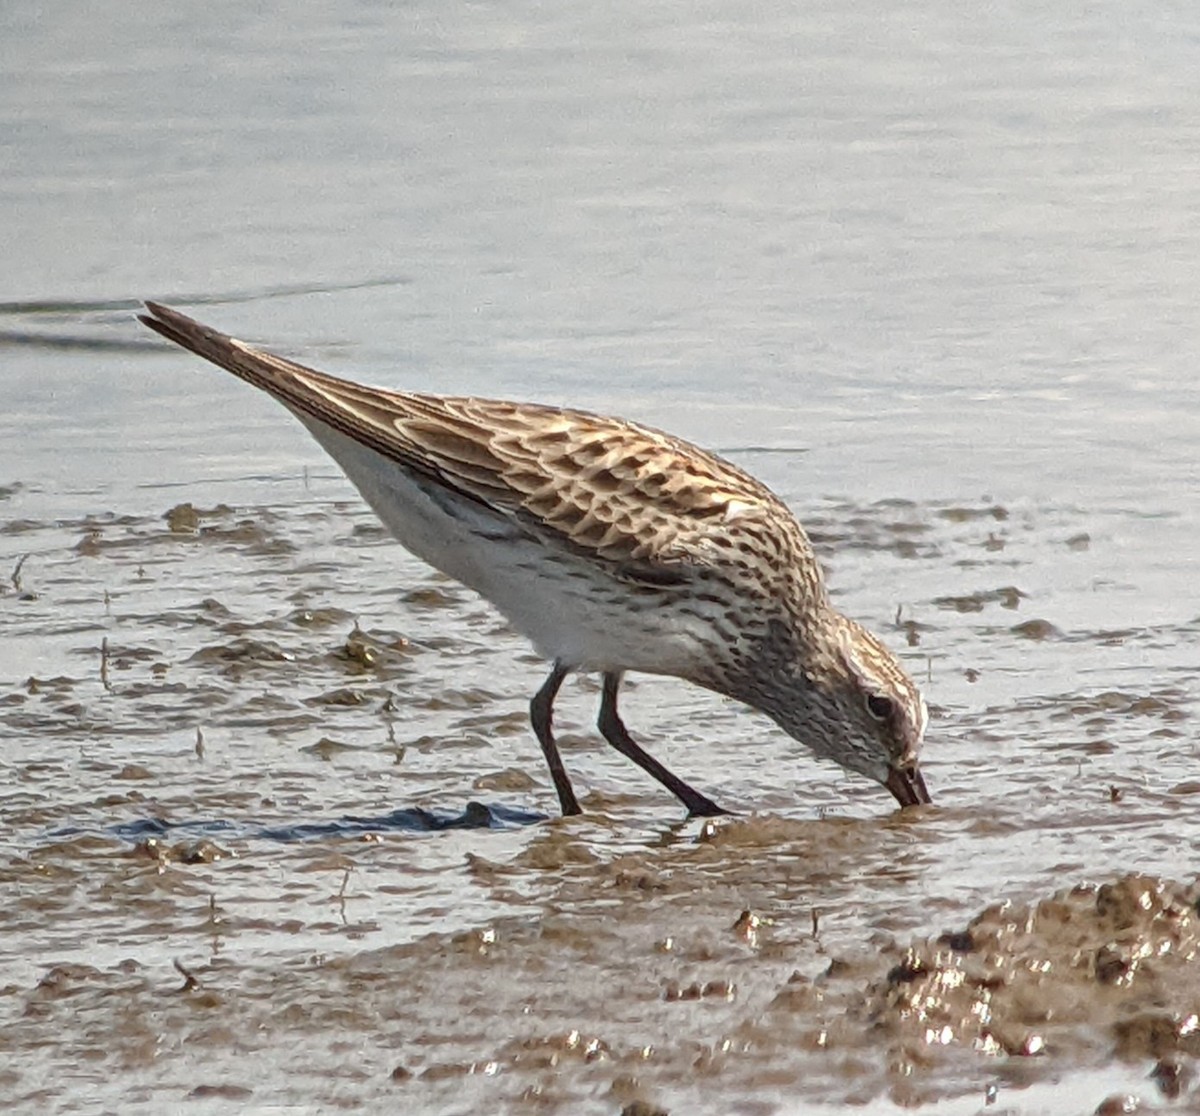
point(930, 275)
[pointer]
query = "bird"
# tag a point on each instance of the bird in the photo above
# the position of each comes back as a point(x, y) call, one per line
point(613, 548)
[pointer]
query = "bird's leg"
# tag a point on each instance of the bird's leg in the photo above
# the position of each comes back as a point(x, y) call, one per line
point(613, 729)
point(541, 713)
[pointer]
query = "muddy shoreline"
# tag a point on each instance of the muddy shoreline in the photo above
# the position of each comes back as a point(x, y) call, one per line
point(277, 835)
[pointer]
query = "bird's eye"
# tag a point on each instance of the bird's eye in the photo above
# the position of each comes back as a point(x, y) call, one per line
point(879, 707)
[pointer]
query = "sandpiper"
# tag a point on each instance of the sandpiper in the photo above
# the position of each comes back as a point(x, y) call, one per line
point(612, 547)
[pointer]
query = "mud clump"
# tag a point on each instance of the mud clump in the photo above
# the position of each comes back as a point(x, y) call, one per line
point(187, 519)
point(1118, 962)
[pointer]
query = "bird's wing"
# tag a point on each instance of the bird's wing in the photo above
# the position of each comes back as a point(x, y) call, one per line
point(650, 506)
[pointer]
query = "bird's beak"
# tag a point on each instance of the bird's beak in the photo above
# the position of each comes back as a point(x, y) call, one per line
point(908, 786)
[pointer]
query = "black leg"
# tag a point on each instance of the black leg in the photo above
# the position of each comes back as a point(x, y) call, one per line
point(541, 713)
point(614, 731)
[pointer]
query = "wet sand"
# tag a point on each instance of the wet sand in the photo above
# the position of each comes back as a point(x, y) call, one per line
point(277, 834)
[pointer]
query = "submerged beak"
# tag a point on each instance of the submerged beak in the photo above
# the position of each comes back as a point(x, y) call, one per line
point(908, 786)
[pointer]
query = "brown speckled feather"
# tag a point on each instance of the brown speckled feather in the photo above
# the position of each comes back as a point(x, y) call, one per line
point(634, 498)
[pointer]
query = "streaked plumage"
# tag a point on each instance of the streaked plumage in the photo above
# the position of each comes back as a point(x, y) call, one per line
point(612, 547)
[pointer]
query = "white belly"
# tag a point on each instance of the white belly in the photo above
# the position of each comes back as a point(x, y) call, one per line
point(572, 611)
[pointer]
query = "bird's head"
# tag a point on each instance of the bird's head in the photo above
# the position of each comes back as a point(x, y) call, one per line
point(853, 703)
